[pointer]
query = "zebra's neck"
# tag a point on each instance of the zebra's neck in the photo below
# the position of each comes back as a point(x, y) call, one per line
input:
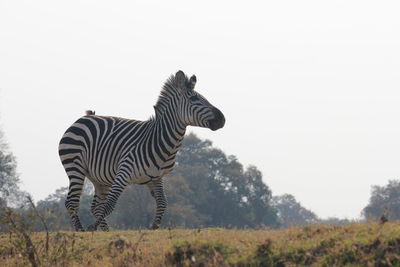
point(167, 135)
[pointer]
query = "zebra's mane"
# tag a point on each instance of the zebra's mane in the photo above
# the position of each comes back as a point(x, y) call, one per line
point(170, 88)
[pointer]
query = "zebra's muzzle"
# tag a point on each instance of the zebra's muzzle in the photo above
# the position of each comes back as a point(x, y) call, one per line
point(218, 121)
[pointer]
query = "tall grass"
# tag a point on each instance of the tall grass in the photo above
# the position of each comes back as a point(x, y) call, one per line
point(368, 244)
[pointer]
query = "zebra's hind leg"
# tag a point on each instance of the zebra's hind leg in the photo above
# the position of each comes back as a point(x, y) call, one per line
point(157, 191)
point(99, 198)
point(76, 180)
point(112, 197)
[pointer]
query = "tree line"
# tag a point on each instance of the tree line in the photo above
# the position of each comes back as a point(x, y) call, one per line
point(206, 189)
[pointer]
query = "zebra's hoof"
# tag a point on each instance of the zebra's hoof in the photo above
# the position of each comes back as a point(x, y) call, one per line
point(92, 228)
point(80, 230)
point(154, 226)
point(104, 228)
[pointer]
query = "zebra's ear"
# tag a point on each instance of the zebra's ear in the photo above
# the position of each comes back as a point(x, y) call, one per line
point(180, 78)
point(192, 82)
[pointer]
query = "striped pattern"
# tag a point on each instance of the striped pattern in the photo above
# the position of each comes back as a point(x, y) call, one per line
point(115, 152)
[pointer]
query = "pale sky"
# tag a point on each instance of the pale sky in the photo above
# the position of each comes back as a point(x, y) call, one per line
point(310, 89)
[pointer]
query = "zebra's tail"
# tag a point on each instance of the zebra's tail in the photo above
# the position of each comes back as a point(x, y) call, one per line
point(90, 112)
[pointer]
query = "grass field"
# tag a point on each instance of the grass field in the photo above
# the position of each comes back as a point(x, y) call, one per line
point(367, 244)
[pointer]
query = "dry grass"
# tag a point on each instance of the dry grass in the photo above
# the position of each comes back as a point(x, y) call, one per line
point(353, 245)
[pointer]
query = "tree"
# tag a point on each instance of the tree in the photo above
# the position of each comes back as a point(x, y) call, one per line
point(222, 189)
point(384, 199)
point(336, 221)
point(291, 213)
point(10, 193)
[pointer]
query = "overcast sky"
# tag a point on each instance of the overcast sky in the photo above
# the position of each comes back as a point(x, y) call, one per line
point(310, 89)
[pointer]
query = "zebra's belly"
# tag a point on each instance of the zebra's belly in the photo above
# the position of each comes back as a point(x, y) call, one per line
point(150, 173)
point(146, 176)
point(106, 180)
point(107, 176)
point(141, 180)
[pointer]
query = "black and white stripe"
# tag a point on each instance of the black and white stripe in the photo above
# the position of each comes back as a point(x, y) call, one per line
point(114, 152)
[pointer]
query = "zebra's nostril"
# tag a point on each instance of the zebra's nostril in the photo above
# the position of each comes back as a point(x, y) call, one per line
point(218, 121)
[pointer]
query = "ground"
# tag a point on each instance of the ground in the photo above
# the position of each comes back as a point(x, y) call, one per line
point(352, 245)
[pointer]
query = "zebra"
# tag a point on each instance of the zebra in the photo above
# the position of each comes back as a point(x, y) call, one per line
point(114, 152)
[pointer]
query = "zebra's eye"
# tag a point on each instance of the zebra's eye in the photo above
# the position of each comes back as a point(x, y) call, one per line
point(194, 98)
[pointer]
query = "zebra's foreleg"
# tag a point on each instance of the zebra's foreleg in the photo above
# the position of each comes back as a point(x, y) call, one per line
point(157, 191)
point(105, 209)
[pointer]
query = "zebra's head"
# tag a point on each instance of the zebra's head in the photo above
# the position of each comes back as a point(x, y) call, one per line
point(194, 109)
point(179, 99)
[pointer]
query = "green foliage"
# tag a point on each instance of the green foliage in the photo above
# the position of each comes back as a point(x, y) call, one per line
point(291, 213)
point(384, 200)
point(336, 221)
point(10, 194)
point(223, 191)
